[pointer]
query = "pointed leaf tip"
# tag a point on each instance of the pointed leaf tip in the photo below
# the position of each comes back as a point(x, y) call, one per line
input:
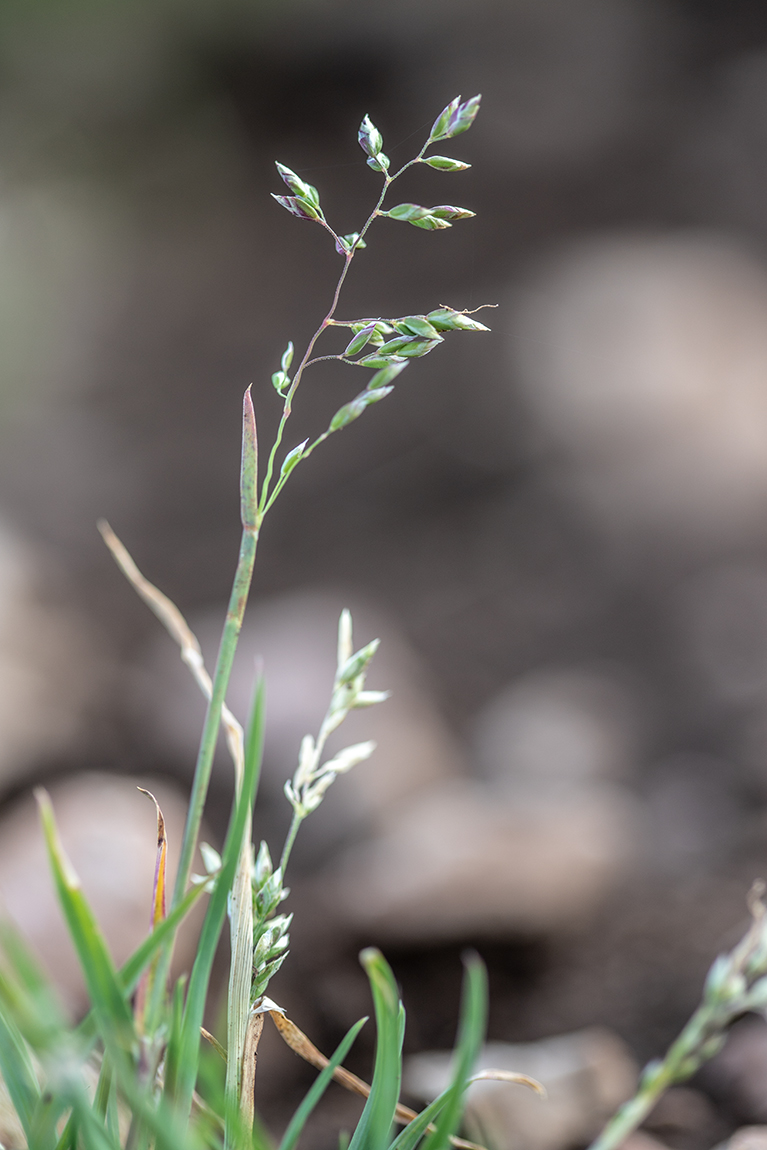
point(445, 164)
point(249, 463)
point(158, 893)
point(299, 206)
point(298, 186)
point(455, 118)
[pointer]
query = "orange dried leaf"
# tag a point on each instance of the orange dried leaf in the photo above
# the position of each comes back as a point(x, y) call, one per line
point(158, 910)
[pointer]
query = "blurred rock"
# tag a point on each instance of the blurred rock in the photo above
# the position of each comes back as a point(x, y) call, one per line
point(643, 360)
point(738, 1074)
point(693, 814)
point(748, 1138)
point(109, 832)
point(684, 1119)
point(723, 616)
point(574, 726)
point(640, 1140)
point(462, 859)
point(533, 849)
point(586, 1075)
point(50, 674)
point(294, 638)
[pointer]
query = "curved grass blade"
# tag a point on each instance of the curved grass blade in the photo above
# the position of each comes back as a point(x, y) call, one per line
point(68, 1139)
point(374, 1126)
point(46, 1118)
point(101, 978)
point(131, 970)
point(301, 1045)
point(92, 1133)
point(144, 992)
point(26, 992)
point(29, 1005)
point(18, 1072)
point(471, 1033)
point(319, 1086)
point(415, 1130)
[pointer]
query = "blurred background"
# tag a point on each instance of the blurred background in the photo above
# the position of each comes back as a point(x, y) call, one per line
point(559, 529)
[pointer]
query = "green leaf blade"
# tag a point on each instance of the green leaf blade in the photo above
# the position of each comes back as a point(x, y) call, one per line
point(374, 1127)
point(409, 1138)
point(101, 979)
point(471, 1033)
point(18, 1072)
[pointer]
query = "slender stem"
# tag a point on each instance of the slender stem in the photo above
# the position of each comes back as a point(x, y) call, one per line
point(291, 838)
point(233, 625)
point(415, 160)
point(325, 730)
point(288, 405)
point(630, 1117)
point(284, 478)
point(328, 228)
point(266, 501)
point(238, 599)
point(322, 358)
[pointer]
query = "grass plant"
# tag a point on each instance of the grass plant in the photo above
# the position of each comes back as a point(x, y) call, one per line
point(131, 1074)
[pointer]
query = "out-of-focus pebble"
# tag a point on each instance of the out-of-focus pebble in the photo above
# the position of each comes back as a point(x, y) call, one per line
point(748, 1138)
point(693, 818)
point(685, 1119)
point(640, 1140)
point(574, 725)
point(643, 360)
point(739, 1072)
point(462, 859)
point(586, 1075)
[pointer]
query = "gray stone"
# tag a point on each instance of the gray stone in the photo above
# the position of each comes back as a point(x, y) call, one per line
point(748, 1138)
point(739, 1072)
point(643, 360)
point(461, 859)
point(571, 725)
point(586, 1075)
